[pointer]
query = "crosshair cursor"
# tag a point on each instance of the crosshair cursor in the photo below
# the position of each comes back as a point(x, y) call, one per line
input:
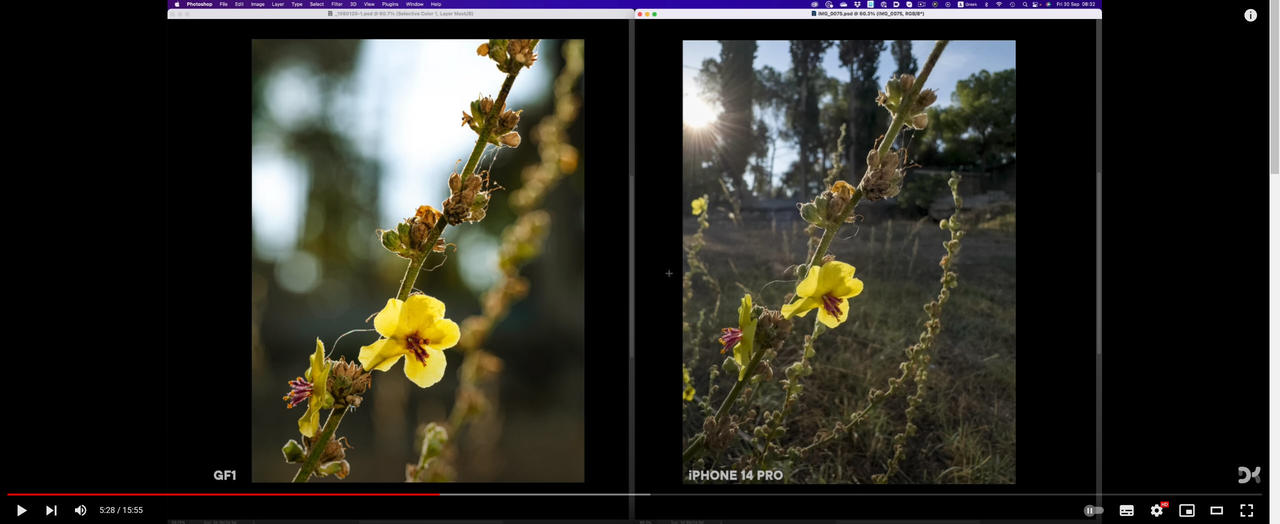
point(1245, 475)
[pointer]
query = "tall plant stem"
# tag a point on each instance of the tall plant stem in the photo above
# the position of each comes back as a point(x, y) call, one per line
point(895, 127)
point(909, 98)
point(829, 234)
point(415, 263)
point(482, 141)
point(698, 443)
point(317, 447)
point(489, 119)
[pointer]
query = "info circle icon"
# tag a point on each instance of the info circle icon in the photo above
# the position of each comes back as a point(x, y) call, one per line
point(1250, 15)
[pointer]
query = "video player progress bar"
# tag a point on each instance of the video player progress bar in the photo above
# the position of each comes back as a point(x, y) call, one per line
point(302, 494)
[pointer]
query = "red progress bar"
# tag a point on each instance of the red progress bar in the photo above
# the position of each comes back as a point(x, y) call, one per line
point(223, 494)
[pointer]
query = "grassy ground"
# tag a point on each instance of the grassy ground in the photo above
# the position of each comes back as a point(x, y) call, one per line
point(968, 421)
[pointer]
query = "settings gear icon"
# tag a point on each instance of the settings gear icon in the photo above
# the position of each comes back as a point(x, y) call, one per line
point(1156, 510)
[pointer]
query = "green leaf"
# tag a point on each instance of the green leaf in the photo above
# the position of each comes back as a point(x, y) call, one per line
point(293, 452)
point(391, 241)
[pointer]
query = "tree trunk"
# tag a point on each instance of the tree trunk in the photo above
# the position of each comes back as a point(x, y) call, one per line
point(851, 129)
point(804, 137)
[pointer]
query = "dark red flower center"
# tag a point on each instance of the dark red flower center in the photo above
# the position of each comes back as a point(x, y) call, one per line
point(831, 305)
point(299, 391)
point(418, 347)
point(729, 337)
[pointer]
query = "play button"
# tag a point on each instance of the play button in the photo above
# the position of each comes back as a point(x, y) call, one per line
point(21, 510)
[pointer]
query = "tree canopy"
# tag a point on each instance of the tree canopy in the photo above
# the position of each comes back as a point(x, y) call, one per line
point(803, 109)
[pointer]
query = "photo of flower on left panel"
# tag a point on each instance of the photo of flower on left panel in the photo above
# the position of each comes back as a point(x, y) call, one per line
point(418, 259)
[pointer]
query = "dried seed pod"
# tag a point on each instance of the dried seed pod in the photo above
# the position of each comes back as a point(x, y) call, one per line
point(908, 81)
point(509, 119)
point(511, 139)
point(925, 99)
point(521, 51)
point(920, 121)
point(883, 178)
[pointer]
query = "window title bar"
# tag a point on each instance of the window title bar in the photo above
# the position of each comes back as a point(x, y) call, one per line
point(871, 14)
point(633, 4)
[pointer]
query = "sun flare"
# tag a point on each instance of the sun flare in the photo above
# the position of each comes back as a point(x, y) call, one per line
point(697, 112)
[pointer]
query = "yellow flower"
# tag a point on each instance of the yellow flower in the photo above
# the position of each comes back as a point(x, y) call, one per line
point(742, 340)
point(417, 328)
point(688, 386)
point(829, 286)
point(313, 389)
point(699, 205)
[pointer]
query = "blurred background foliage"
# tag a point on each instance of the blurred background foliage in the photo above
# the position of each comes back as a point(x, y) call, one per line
point(350, 136)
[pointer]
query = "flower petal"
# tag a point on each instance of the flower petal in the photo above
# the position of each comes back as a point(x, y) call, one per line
point(319, 375)
point(381, 355)
point(418, 314)
point(799, 308)
point(385, 322)
point(852, 288)
point(310, 420)
point(744, 312)
point(444, 334)
point(424, 375)
point(833, 321)
point(809, 286)
point(835, 278)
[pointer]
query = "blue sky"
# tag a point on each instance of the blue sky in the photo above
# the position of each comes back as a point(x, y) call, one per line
point(960, 59)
